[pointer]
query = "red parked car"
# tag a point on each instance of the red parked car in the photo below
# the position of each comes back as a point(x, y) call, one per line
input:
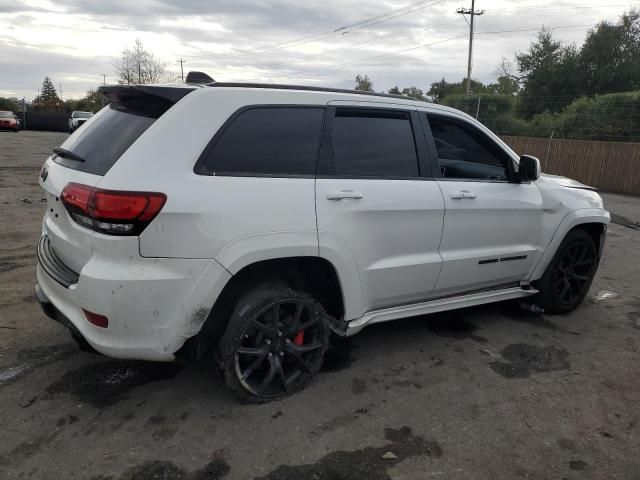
point(9, 121)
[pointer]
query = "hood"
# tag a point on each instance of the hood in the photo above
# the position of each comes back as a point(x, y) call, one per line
point(557, 180)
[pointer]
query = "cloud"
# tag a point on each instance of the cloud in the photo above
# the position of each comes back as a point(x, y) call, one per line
point(75, 41)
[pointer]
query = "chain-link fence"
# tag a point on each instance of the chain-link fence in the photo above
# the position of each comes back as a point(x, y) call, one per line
point(613, 117)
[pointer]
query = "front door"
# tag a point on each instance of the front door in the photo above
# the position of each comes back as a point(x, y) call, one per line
point(491, 234)
point(377, 206)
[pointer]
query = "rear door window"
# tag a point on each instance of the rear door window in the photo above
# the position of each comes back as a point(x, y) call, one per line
point(373, 143)
point(266, 141)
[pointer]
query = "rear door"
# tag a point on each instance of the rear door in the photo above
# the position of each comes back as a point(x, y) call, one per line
point(377, 203)
point(492, 221)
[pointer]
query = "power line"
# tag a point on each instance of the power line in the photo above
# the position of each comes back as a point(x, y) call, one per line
point(390, 15)
point(415, 47)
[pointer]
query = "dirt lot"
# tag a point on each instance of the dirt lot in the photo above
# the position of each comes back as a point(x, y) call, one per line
point(481, 393)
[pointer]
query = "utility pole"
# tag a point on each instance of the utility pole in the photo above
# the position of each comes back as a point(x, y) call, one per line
point(472, 12)
point(181, 61)
point(104, 79)
point(60, 88)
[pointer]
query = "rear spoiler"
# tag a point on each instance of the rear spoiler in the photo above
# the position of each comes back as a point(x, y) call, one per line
point(122, 93)
point(147, 100)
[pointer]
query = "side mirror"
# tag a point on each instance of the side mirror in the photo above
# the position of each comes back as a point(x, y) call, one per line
point(529, 169)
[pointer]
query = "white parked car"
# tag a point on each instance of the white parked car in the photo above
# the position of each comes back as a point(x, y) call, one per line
point(257, 219)
point(77, 120)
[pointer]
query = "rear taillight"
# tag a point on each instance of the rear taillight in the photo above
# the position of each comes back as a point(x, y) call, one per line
point(110, 211)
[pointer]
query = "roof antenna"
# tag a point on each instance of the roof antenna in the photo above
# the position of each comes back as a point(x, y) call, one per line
point(198, 77)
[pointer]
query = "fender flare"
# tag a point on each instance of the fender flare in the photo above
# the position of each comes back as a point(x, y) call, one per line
point(570, 221)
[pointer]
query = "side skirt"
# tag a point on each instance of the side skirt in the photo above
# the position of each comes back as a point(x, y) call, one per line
point(433, 306)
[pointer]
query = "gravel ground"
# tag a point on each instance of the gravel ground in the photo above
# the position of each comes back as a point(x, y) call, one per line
point(488, 392)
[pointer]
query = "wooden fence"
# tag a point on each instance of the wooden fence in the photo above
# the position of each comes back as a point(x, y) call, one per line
point(608, 166)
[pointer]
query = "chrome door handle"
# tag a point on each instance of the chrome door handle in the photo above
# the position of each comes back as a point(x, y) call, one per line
point(344, 194)
point(462, 194)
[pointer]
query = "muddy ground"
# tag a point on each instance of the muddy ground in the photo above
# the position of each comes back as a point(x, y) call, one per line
point(487, 392)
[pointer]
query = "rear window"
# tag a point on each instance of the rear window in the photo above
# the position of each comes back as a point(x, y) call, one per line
point(103, 140)
point(267, 141)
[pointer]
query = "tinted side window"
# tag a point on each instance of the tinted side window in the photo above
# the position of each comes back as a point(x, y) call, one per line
point(268, 140)
point(374, 144)
point(466, 152)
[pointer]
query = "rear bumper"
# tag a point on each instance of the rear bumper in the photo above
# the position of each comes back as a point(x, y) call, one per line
point(53, 313)
point(153, 305)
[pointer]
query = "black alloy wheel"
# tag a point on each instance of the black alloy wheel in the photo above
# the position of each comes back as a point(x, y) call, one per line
point(568, 277)
point(279, 345)
point(574, 272)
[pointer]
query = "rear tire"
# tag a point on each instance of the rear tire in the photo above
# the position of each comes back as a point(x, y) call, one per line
point(567, 279)
point(274, 343)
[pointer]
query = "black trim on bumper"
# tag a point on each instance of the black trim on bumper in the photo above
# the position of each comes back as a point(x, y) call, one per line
point(53, 313)
point(53, 266)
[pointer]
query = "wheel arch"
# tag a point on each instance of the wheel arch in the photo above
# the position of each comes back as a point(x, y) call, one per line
point(593, 221)
point(314, 275)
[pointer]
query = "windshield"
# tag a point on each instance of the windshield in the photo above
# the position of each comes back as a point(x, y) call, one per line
point(82, 114)
point(6, 115)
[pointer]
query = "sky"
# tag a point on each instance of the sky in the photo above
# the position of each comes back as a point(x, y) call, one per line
point(309, 42)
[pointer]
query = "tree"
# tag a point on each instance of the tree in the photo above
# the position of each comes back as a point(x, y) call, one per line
point(364, 84)
point(47, 100)
point(394, 91)
point(92, 102)
point(12, 104)
point(550, 75)
point(610, 56)
point(413, 92)
point(440, 90)
point(504, 85)
point(138, 66)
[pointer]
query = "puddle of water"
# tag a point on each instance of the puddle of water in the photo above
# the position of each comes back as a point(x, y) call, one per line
point(106, 383)
point(11, 373)
point(161, 470)
point(455, 327)
point(604, 295)
point(523, 359)
point(369, 463)
point(7, 266)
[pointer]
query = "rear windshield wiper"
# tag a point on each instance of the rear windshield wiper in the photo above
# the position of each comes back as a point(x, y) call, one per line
point(64, 153)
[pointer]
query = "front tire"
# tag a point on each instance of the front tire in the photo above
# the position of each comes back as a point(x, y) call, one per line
point(274, 344)
point(568, 277)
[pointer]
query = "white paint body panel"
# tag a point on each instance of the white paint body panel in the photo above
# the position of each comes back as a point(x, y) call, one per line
point(404, 243)
point(392, 233)
point(501, 222)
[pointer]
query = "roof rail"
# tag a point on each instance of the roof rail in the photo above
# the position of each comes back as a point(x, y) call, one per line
point(311, 89)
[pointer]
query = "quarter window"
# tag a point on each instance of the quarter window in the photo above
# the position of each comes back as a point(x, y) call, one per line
point(466, 152)
point(373, 144)
point(270, 141)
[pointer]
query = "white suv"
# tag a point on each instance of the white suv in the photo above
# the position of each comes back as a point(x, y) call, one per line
point(257, 219)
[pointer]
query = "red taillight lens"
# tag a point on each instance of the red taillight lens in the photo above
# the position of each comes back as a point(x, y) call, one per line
point(110, 211)
point(76, 196)
point(95, 319)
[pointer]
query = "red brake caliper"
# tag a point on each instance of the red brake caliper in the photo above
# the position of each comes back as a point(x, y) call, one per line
point(299, 338)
